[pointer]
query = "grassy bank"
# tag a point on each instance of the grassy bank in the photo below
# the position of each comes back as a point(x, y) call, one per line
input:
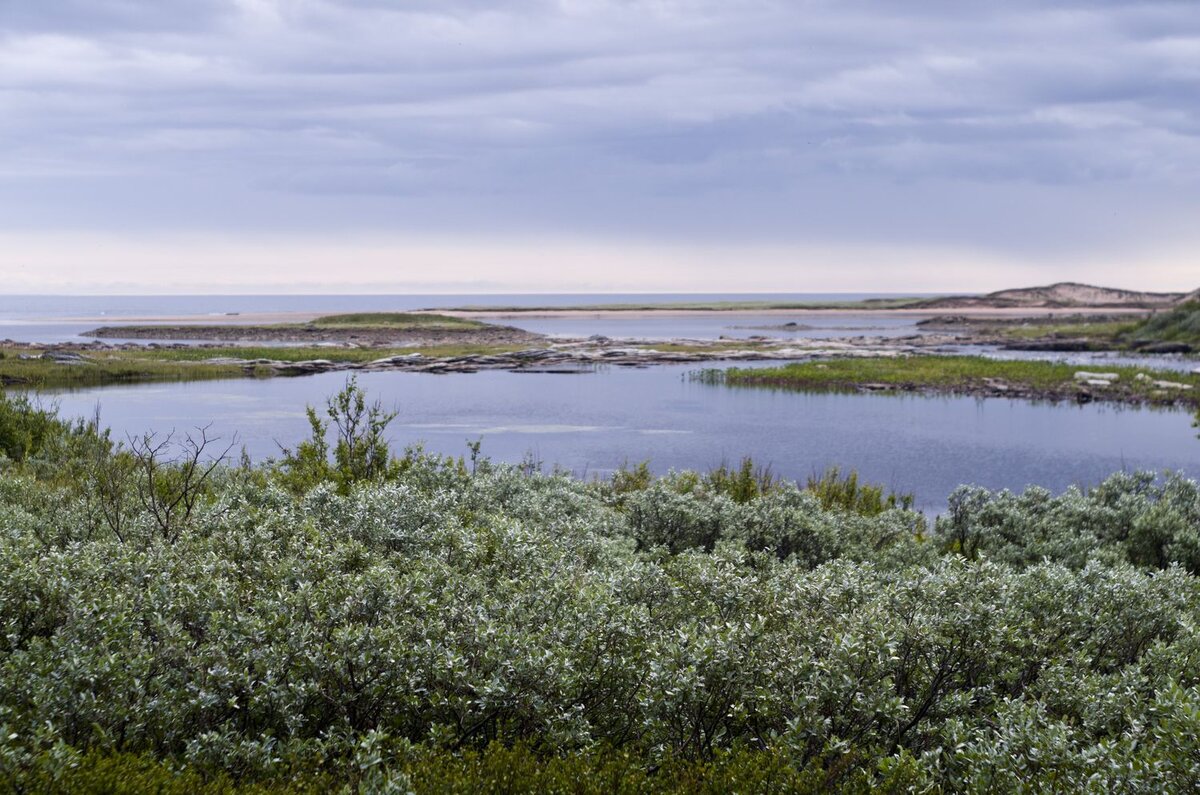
point(1107, 334)
point(290, 353)
point(418, 321)
point(1178, 325)
point(193, 363)
point(965, 375)
point(372, 325)
point(102, 368)
point(1181, 324)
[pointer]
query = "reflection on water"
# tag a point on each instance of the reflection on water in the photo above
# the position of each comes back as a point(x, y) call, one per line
point(592, 424)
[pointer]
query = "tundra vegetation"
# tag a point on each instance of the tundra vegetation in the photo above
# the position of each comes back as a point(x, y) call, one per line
point(970, 375)
point(1174, 328)
point(349, 619)
point(397, 320)
point(32, 367)
point(1181, 324)
point(358, 322)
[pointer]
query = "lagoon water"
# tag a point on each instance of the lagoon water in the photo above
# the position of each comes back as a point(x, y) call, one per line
point(737, 325)
point(593, 423)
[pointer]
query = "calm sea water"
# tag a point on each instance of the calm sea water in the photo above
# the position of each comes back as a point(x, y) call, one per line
point(593, 423)
point(64, 318)
point(16, 307)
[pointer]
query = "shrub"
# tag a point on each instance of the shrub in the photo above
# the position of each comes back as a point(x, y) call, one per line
point(360, 450)
point(342, 624)
point(743, 484)
point(846, 493)
point(1129, 517)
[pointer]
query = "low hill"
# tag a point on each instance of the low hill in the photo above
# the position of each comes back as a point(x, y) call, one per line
point(364, 328)
point(396, 320)
point(1055, 296)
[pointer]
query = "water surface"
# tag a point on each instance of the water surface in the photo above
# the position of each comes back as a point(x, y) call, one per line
point(56, 318)
point(593, 423)
point(711, 326)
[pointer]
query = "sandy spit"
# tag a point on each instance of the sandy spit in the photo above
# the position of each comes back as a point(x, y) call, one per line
point(1008, 312)
point(304, 317)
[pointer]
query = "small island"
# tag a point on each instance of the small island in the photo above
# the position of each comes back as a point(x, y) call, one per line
point(1058, 318)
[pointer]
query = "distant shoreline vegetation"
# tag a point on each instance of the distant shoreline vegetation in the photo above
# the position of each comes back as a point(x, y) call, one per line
point(691, 306)
point(1175, 330)
point(1061, 296)
point(75, 368)
point(970, 375)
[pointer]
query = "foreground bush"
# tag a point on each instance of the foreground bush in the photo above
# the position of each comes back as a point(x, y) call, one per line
point(424, 627)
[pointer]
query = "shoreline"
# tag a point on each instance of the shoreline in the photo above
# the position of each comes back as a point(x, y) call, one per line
point(301, 334)
point(68, 366)
point(980, 312)
point(567, 312)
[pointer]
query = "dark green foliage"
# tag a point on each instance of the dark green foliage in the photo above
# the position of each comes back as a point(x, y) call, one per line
point(743, 484)
point(845, 493)
point(496, 769)
point(360, 451)
point(1181, 324)
point(33, 439)
point(121, 774)
point(26, 430)
point(629, 479)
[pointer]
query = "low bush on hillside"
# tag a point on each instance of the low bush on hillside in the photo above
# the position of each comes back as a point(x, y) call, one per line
point(433, 626)
point(1181, 324)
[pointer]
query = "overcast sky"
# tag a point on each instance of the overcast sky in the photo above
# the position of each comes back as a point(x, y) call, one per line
point(597, 145)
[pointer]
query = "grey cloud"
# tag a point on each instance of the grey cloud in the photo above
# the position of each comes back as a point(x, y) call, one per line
point(774, 118)
point(110, 16)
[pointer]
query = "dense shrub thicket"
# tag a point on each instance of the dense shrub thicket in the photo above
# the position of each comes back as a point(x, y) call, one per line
point(447, 626)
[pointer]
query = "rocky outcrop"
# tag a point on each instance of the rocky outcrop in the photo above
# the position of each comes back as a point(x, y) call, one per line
point(319, 336)
point(1053, 346)
point(568, 358)
point(57, 356)
point(1162, 347)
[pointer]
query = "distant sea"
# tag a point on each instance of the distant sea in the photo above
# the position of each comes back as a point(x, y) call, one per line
point(55, 318)
point(44, 307)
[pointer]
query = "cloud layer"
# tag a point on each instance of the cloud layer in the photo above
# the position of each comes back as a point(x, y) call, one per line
point(1015, 130)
